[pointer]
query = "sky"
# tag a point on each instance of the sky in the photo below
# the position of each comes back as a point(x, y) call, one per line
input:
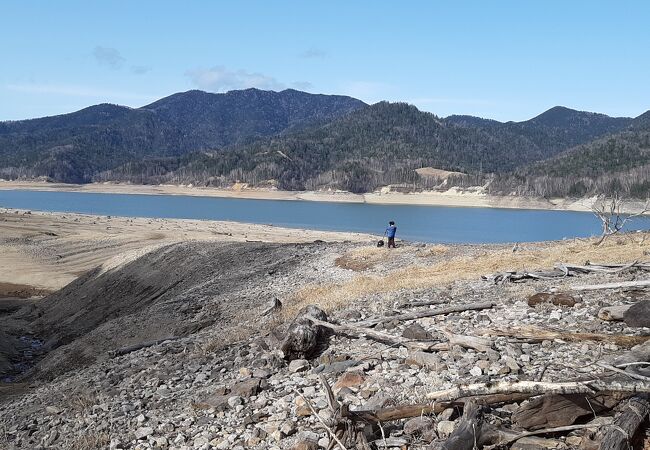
point(505, 60)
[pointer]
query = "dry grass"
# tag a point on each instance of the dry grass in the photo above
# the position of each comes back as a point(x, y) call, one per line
point(332, 296)
point(226, 338)
point(365, 258)
point(433, 250)
point(89, 441)
point(81, 401)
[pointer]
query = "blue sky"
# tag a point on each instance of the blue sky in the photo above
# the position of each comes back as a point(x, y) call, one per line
point(507, 60)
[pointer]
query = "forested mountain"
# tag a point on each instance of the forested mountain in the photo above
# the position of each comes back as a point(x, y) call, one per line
point(379, 145)
point(296, 140)
point(74, 147)
point(618, 162)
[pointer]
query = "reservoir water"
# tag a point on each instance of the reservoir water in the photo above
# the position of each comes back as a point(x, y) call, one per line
point(416, 223)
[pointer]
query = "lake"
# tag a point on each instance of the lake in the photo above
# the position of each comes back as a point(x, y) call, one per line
point(416, 223)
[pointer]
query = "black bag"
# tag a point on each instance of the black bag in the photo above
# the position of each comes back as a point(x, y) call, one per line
point(380, 243)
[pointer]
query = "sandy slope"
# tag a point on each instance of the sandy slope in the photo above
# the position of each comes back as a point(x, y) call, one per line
point(46, 251)
point(452, 197)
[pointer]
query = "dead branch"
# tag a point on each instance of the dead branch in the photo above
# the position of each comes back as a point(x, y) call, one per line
point(632, 415)
point(621, 285)
point(132, 348)
point(422, 303)
point(428, 313)
point(541, 334)
point(538, 388)
point(612, 219)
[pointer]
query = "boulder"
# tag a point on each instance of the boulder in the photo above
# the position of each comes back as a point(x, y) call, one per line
point(638, 315)
point(416, 332)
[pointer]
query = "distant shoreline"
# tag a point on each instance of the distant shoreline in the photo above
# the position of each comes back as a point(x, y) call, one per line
point(451, 198)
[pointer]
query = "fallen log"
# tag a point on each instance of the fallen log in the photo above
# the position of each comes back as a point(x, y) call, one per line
point(541, 334)
point(388, 414)
point(632, 415)
point(422, 303)
point(385, 338)
point(427, 313)
point(563, 270)
point(538, 388)
point(136, 347)
point(641, 284)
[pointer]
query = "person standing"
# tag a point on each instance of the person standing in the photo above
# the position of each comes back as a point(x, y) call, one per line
point(390, 234)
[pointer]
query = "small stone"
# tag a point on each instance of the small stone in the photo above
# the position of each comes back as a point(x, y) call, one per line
point(143, 432)
point(52, 410)
point(348, 380)
point(418, 426)
point(298, 365)
point(235, 400)
point(445, 428)
point(476, 371)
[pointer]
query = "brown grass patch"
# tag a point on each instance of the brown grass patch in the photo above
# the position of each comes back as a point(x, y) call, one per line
point(433, 250)
point(90, 441)
point(332, 296)
point(365, 258)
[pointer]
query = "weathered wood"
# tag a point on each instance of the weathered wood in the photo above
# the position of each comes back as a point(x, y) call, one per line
point(563, 270)
point(133, 348)
point(613, 313)
point(639, 353)
point(304, 339)
point(557, 410)
point(619, 435)
point(467, 434)
point(400, 412)
point(539, 388)
point(427, 313)
point(540, 334)
point(360, 332)
point(641, 284)
point(423, 303)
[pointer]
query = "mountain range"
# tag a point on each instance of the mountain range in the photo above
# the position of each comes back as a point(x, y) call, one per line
point(296, 140)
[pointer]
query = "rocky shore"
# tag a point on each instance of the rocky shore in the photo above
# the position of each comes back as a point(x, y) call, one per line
point(182, 347)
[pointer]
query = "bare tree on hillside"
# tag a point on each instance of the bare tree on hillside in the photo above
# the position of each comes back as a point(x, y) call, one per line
point(610, 212)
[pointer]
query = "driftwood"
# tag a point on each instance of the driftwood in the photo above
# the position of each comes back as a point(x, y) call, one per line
point(467, 434)
point(632, 415)
point(540, 334)
point(304, 339)
point(422, 303)
point(476, 343)
point(133, 348)
point(426, 313)
point(360, 332)
point(557, 410)
point(563, 270)
point(539, 388)
point(641, 284)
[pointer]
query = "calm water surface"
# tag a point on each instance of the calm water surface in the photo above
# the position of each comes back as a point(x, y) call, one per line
point(417, 223)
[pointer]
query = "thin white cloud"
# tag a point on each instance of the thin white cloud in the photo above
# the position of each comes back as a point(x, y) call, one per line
point(223, 79)
point(109, 57)
point(313, 53)
point(76, 91)
point(139, 70)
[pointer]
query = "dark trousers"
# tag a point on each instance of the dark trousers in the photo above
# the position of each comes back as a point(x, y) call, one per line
point(391, 242)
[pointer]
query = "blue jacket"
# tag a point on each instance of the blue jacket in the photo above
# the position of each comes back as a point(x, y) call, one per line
point(390, 231)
